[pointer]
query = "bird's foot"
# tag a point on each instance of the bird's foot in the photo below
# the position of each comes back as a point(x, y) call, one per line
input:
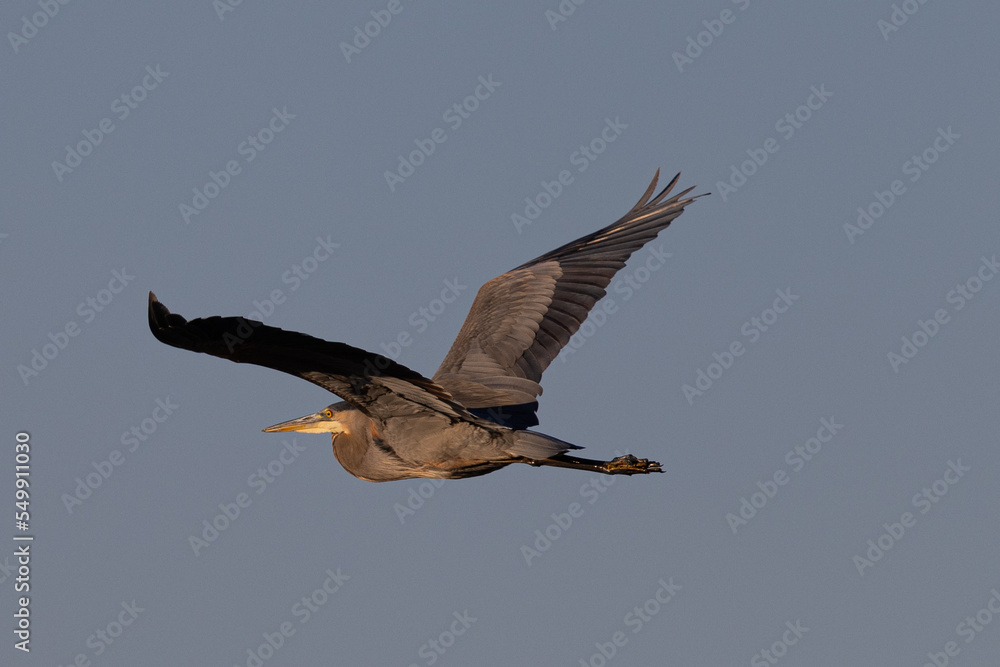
point(630, 465)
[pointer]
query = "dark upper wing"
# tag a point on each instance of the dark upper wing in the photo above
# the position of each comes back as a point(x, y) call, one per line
point(520, 320)
point(377, 386)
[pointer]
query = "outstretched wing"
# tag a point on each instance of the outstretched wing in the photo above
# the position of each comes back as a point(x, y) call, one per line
point(520, 320)
point(374, 384)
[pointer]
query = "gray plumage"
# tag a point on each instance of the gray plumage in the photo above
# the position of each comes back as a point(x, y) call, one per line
point(472, 417)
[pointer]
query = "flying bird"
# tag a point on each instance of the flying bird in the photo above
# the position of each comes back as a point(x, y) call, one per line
point(474, 415)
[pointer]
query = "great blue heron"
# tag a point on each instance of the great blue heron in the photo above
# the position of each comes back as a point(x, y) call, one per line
point(472, 417)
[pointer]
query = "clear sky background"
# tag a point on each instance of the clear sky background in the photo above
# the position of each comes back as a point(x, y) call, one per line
point(793, 115)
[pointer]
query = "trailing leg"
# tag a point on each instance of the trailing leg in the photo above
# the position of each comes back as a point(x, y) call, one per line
point(622, 465)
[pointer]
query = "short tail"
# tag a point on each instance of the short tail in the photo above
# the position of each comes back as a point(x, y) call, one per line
point(532, 445)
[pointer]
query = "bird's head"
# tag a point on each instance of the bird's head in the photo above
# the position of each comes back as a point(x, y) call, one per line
point(331, 419)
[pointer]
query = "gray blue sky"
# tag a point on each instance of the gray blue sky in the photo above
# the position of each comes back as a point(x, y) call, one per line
point(830, 492)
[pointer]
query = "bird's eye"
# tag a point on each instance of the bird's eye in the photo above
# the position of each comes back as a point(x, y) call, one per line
point(327, 413)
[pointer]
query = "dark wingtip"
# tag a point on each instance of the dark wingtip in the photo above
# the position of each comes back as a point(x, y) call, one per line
point(161, 319)
point(154, 315)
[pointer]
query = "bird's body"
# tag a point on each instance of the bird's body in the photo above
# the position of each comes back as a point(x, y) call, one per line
point(473, 416)
point(462, 449)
